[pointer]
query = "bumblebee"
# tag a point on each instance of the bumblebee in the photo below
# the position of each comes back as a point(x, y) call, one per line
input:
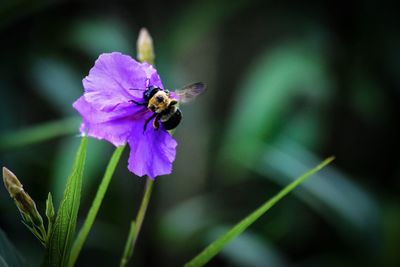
point(165, 107)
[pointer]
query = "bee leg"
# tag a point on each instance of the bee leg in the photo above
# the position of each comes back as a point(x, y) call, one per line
point(148, 120)
point(156, 123)
point(138, 103)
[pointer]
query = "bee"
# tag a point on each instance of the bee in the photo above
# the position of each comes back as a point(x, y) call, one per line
point(165, 107)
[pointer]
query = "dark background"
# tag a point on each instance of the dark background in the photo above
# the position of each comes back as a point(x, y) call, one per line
point(289, 83)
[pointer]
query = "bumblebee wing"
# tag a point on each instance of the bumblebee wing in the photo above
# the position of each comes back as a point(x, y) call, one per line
point(190, 92)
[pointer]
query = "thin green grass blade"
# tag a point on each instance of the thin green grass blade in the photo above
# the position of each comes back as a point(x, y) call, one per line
point(60, 241)
point(128, 250)
point(87, 225)
point(214, 248)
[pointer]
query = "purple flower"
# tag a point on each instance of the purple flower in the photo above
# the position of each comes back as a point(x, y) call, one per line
point(108, 112)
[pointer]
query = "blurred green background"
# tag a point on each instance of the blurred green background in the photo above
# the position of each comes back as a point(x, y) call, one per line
point(289, 83)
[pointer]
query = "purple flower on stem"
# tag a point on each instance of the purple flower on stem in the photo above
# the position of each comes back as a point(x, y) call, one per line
point(107, 107)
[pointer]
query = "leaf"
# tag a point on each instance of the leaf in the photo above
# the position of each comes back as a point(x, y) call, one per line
point(9, 256)
point(214, 248)
point(38, 133)
point(198, 18)
point(60, 241)
point(87, 225)
point(96, 158)
point(45, 70)
point(279, 78)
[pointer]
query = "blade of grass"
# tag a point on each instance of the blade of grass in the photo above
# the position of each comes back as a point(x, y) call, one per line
point(214, 248)
point(60, 241)
point(38, 133)
point(87, 225)
point(128, 250)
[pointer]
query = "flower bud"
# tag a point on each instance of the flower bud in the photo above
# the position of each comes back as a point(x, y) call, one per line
point(23, 201)
point(11, 182)
point(145, 49)
point(49, 207)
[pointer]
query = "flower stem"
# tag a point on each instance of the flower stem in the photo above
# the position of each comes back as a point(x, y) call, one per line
point(128, 250)
point(145, 53)
point(87, 225)
point(137, 224)
point(143, 208)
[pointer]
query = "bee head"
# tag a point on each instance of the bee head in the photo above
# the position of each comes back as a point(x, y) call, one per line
point(149, 93)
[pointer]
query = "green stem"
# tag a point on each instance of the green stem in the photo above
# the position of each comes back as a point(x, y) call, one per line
point(49, 230)
point(43, 233)
point(138, 223)
point(128, 250)
point(145, 53)
point(87, 225)
point(36, 234)
point(142, 209)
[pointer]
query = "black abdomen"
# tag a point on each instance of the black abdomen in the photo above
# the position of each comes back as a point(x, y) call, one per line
point(173, 121)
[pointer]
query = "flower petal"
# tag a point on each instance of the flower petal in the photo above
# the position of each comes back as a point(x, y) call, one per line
point(115, 127)
point(152, 151)
point(116, 79)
